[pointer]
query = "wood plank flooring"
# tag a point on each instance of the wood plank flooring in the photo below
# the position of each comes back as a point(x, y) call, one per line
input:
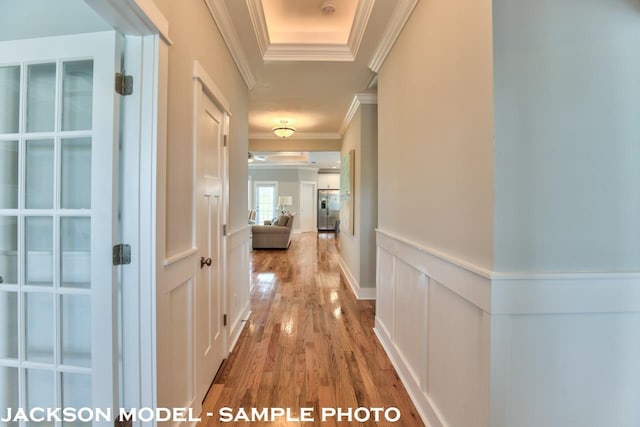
point(308, 344)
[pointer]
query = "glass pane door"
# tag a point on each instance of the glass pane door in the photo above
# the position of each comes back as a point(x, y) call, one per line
point(50, 221)
point(265, 202)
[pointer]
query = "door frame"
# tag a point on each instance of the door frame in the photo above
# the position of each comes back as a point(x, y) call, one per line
point(314, 202)
point(204, 86)
point(143, 128)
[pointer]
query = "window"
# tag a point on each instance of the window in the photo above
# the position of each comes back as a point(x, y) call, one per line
point(266, 198)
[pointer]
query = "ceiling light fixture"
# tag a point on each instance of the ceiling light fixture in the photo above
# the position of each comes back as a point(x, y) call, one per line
point(328, 7)
point(284, 130)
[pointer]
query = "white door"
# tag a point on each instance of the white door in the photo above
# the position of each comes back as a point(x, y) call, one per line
point(307, 206)
point(58, 196)
point(209, 290)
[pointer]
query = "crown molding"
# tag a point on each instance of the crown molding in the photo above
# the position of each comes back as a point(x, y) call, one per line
point(308, 52)
point(399, 18)
point(360, 21)
point(297, 135)
point(222, 18)
point(293, 166)
point(256, 12)
point(358, 100)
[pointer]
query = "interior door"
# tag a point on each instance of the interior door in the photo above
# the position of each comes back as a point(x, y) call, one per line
point(307, 208)
point(58, 193)
point(209, 291)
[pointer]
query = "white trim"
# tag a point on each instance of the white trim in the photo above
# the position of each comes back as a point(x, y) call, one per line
point(298, 135)
point(520, 293)
point(276, 166)
point(179, 257)
point(427, 409)
point(236, 329)
point(308, 52)
point(133, 17)
point(360, 21)
point(256, 13)
point(210, 87)
point(220, 15)
point(399, 18)
point(358, 99)
point(565, 293)
point(139, 124)
point(360, 293)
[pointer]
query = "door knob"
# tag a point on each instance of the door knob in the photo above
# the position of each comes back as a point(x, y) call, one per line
point(205, 261)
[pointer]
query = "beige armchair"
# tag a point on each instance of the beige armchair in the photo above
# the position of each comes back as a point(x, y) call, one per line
point(275, 236)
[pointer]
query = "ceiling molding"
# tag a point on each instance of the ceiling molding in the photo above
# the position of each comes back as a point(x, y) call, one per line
point(358, 100)
point(222, 18)
point(399, 18)
point(297, 135)
point(309, 51)
point(360, 21)
point(256, 12)
point(293, 166)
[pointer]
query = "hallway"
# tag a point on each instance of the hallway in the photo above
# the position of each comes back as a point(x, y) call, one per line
point(309, 343)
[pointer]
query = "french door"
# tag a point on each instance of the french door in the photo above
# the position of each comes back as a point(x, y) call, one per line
point(58, 222)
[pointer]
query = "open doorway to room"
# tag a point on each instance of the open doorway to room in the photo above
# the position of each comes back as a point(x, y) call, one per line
point(298, 183)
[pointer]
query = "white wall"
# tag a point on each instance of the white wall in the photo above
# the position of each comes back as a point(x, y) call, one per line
point(357, 251)
point(514, 300)
point(567, 164)
point(195, 37)
point(435, 152)
point(435, 156)
point(567, 102)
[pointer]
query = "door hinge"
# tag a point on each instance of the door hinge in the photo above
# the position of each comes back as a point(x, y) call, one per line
point(224, 229)
point(121, 254)
point(124, 84)
point(225, 140)
point(224, 320)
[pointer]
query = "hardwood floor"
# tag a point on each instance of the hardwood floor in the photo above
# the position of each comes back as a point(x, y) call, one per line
point(308, 344)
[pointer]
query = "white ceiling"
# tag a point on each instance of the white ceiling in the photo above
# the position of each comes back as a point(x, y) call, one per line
point(304, 71)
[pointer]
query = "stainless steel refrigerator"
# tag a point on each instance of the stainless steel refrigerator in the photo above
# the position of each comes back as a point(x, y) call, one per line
point(328, 210)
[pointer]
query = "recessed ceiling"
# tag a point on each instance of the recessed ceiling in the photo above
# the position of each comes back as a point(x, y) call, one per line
point(303, 21)
point(297, 64)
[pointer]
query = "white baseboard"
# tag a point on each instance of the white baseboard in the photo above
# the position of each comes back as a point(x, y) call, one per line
point(360, 293)
point(237, 328)
point(427, 410)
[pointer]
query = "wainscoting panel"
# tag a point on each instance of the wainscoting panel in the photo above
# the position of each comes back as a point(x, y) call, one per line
point(411, 321)
point(238, 282)
point(431, 321)
point(181, 323)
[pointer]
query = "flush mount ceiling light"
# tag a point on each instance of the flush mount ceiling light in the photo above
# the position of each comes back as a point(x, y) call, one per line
point(284, 130)
point(328, 7)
